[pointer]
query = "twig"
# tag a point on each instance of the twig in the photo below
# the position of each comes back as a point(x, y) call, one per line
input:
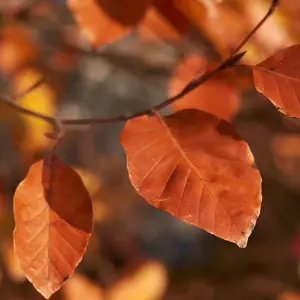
point(229, 62)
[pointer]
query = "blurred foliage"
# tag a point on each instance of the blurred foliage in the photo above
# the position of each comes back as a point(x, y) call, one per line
point(40, 38)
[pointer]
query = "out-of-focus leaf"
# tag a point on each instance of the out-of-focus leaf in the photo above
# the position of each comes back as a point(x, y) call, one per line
point(215, 29)
point(17, 48)
point(104, 21)
point(163, 21)
point(12, 264)
point(286, 155)
point(53, 215)
point(289, 295)
point(147, 282)
point(278, 78)
point(79, 287)
point(42, 100)
point(194, 166)
point(215, 96)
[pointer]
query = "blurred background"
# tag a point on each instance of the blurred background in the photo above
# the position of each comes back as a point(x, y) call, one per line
point(136, 251)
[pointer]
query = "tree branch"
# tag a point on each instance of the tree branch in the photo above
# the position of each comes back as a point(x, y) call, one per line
point(229, 62)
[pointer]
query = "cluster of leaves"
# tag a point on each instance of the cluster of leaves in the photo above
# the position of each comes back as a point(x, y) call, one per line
point(191, 163)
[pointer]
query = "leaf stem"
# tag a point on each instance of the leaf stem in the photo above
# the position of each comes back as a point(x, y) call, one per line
point(192, 85)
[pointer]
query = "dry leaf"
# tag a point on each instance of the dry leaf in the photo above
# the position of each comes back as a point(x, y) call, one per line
point(148, 282)
point(53, 215)
point(194, 166)
point(278, 78)
point(215, 96)
point(103, 21)
point(79, 287)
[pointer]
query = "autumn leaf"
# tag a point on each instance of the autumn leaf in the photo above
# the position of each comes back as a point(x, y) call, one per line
point(215, 96)
point(278, 78)
point(17, 48)
point(104, 21)
point(147, 282)
point(163, 21)
point(217, 28)
point(53, 215)
point(194, 166)
point(79, 287)
point(41, 99)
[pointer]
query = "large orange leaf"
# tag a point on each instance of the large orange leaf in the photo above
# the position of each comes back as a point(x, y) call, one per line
point(216, 96)
point(103, 21)
point(194, 166)
point(53, 214)
point(278, 78)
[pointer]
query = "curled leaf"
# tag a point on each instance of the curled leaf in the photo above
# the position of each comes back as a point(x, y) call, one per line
point(53, 215)
point(194, 166)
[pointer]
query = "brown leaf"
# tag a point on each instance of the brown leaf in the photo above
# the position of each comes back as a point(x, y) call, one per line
point(194, 166)
point(103, 21)
point(53, 214)
point(278, 78)
point(146, 282)
point(215, 96)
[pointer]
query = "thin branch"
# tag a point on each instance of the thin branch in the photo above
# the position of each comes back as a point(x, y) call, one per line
point(229, 62)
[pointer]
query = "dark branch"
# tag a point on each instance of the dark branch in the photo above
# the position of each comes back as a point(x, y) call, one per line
point(229, 62)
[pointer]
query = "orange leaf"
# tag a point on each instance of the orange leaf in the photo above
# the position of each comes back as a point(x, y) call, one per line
point(163, 20)
point(194, 166)
point(17, 48)
point(216, 28)
point(147, 282)
point(215, 96)
point(80, 287)
point(53, 214)
point(278, 78)
point(103, 21)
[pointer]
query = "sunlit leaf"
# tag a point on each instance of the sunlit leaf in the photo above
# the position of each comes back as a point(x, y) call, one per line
point(42, 100)
point(278, 78)
point(53, 215)
point(194, 166)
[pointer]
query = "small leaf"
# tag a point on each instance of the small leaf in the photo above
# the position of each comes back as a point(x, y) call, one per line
point(104, 21)
point(194, 166)
point(53, 215)
point(278, 78)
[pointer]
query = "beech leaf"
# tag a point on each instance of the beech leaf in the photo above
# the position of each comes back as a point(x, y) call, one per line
point(278, 78)
point(53, 215)
point(194, 166)
point(104, 21)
